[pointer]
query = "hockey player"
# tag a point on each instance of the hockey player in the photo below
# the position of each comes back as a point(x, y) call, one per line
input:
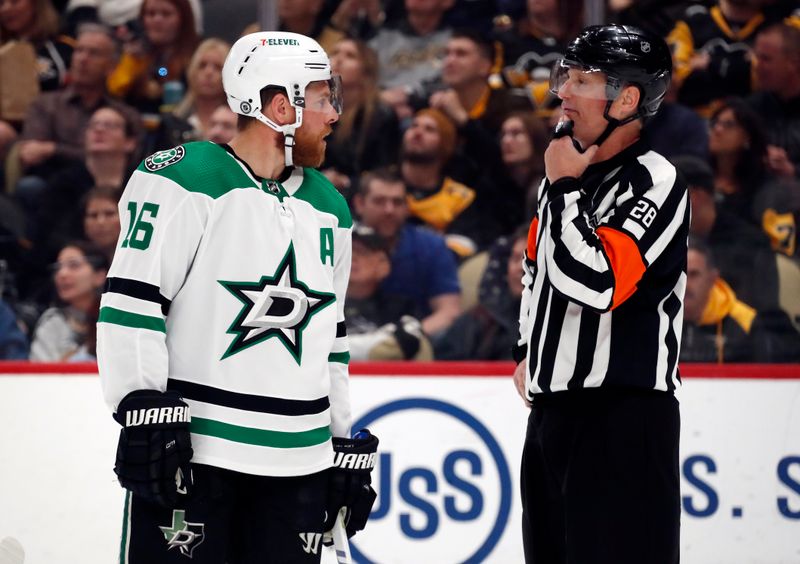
point(221, 339)
point(600, 318)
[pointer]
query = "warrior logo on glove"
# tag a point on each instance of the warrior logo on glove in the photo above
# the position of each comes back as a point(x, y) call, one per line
point(155, 448)
point(351, 482)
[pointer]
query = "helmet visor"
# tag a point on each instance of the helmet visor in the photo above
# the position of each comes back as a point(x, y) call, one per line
point(582, 80)
point(318, 99)
point(337, 100)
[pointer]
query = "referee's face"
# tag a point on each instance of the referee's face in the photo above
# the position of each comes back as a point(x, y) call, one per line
point(583, 100)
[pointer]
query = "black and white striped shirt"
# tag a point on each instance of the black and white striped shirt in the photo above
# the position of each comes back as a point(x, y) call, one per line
point(604, 277)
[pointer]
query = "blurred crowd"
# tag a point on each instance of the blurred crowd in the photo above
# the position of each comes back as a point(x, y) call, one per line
point(439, 152)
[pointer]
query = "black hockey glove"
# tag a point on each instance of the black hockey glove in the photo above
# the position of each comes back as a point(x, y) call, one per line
point(350, 481)
point(154, 447)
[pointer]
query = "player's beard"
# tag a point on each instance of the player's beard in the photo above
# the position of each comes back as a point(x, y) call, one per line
point(309, 150)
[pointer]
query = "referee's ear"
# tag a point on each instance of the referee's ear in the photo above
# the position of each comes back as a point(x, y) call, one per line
point(627, 103)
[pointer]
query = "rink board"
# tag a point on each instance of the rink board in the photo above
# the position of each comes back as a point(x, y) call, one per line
point(451, 437)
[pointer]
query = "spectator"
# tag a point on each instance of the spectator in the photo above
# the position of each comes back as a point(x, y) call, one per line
point(306, 17)
point(358, 18)
point(777, 96)
point(203, 97)
point(37, 22)
point(656, 16)
point(67, 329)
point(367, 134)
point(489, 330)
point(718, 327)
point(222, 126)
point(523, 140)
point(13, 341)
point(53, 135)
point(741, 250)
point(123, 16)
point(711, 50)
point(535, 44)
point(463, 214)
point(101, 219)
point(737, 144)
point(468, 63)
point(379, 326)
point(110, 144)
point(411, 55)
point(161, 56)
point(422, 268)
point(677, 129)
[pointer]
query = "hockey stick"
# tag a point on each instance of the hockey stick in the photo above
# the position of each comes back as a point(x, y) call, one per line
point(340, 542)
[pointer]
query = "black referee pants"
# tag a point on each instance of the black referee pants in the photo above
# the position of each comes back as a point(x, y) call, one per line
point(600, 481)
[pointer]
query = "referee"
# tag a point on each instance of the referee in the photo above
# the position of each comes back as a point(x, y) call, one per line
point(600, 320)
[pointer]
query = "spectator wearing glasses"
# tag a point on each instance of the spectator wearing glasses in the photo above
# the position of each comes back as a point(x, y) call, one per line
point(110, 147)
point(53, 135)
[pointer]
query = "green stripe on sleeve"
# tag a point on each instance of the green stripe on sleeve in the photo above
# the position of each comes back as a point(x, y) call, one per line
point(134, 320)
point(342, 357)
point(259, 437)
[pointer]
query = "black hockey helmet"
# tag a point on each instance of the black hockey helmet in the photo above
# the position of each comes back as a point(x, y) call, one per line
point(627, 55)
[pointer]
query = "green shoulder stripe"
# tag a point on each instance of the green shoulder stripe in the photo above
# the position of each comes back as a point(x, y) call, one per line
point(318, 191)
point(201, 167)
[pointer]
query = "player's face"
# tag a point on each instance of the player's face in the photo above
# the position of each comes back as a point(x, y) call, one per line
point(318, 118)
point(101, 222)
point(463, 63)
point(583, 100)
point(515, 144)
point(383, 207)
point(161, 21)
point(699, 281)
point(75, 278)
point(16, 16)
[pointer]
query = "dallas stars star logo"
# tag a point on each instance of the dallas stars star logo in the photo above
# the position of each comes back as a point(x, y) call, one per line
point(279, 306)
point(183, 535)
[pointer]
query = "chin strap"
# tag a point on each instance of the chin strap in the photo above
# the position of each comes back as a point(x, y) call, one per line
point(288, 133)
point(613, 123)
point(288, 145)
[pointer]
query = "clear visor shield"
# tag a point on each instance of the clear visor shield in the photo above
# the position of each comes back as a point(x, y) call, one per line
point(319, 99)
point(337, 100)
point(584, 81)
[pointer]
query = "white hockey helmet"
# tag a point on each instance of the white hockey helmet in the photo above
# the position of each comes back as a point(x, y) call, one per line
point(281, 59)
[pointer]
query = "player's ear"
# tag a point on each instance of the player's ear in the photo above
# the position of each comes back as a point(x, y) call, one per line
point(280, 110)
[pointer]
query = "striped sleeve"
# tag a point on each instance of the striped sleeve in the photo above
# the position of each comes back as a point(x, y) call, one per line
point(339, 358)
point(161, 230)
point(599, 267)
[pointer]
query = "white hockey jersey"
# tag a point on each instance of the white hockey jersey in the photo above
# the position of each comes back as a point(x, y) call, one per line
point(230, 289)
